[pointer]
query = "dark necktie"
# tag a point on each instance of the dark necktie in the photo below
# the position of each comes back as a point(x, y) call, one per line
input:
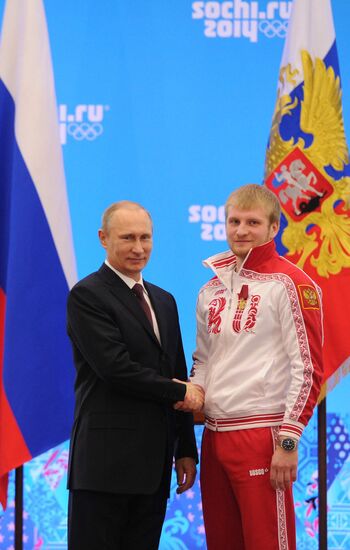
point(138, 291)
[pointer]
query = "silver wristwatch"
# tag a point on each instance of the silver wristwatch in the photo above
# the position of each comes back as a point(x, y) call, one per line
point(288, 444)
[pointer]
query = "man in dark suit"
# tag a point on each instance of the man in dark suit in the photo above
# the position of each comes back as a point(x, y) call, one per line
point(131, 373)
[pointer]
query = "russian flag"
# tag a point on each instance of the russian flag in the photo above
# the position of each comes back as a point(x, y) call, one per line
point(307, 167)
point(37, 263)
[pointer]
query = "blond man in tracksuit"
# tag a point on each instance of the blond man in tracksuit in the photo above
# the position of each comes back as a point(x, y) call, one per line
point(258, 358)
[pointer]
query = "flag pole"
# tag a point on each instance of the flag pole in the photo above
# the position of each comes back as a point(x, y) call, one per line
point(322, 473)
point(19, 508)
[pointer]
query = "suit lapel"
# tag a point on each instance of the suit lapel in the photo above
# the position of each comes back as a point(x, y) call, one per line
point(124, 294)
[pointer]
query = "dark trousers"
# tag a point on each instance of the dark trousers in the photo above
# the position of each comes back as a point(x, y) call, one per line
point(106, 521)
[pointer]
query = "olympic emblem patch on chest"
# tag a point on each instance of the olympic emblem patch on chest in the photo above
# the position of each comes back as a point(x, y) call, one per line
point(308, 297)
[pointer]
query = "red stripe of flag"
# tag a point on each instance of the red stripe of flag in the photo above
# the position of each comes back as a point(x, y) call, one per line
point(12, 443)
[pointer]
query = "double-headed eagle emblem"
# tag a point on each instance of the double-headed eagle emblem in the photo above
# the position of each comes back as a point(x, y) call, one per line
point(305, 167)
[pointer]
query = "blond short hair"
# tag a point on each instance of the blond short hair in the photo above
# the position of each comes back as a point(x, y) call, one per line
point(252, 196)
point(115, 206)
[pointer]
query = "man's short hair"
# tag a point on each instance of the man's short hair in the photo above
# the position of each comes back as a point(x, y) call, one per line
point(252, 196)
point(128, 205)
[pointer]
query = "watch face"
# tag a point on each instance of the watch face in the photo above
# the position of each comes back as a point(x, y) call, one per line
point(288, 444)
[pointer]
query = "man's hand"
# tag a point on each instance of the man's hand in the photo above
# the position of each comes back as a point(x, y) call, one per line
point(186, 473)
point(194, 398)
point(283, 469)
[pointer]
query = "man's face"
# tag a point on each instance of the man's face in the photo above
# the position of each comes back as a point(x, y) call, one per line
point(128, 241)
point(246, 229)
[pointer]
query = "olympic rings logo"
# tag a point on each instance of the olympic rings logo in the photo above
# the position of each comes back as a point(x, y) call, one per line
point(84, 130)
point(273, 28)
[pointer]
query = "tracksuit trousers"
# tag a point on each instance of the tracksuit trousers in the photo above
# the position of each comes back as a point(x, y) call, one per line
point(241, 509)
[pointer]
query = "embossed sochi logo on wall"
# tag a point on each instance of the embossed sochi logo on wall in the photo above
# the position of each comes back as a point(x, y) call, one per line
point(84, 123)
point(242, 19)
point(211, 219)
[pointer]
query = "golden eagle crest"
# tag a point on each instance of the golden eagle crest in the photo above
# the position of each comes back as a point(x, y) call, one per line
point(308, 296)
point(297, 170)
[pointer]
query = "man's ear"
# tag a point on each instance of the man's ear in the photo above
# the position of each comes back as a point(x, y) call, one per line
point(274, 229)
point(102, 237)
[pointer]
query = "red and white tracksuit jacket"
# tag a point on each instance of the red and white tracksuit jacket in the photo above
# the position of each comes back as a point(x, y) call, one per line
point(259, 343)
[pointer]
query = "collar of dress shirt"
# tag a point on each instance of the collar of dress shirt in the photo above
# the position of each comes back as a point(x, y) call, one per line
point(127, 280)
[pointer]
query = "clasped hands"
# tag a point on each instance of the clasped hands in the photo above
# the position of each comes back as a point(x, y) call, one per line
point(194, 398)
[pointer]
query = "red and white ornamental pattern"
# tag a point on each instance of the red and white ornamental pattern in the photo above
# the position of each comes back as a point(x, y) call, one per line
point(259, 339)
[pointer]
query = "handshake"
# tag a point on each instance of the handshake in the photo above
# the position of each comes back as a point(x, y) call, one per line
point(194, 398)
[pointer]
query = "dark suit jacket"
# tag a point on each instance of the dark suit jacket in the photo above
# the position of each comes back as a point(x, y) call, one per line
point(125, 431)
